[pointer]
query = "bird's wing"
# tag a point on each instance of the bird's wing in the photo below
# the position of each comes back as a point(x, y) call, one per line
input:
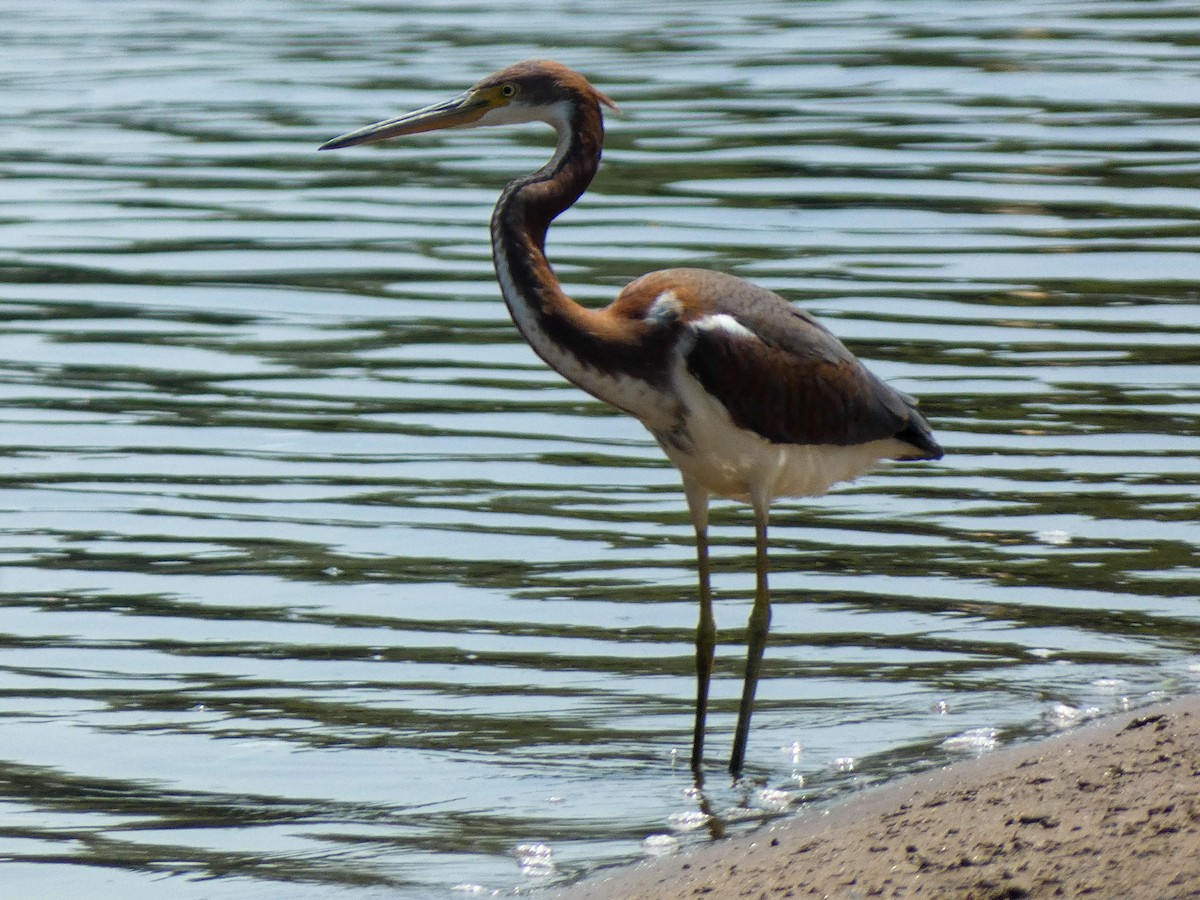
point(783, 375)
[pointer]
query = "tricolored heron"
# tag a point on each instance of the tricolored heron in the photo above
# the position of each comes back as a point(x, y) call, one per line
point(750, 398)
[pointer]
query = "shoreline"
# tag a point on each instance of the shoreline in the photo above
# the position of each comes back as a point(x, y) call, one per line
point(1109, 809)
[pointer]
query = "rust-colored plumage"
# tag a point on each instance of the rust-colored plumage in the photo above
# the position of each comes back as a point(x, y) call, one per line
point(748, 396)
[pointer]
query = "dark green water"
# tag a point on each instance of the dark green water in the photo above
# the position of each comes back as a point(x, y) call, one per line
point(317, 583)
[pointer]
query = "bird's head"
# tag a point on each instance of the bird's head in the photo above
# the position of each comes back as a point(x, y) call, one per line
point(531, 91)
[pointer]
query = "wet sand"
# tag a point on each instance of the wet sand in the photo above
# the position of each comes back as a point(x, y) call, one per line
point(1111, 809)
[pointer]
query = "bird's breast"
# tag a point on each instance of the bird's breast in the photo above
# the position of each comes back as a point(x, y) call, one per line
point(635, 386)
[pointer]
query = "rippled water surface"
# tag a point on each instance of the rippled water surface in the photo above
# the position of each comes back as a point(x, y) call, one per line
point(316, 582)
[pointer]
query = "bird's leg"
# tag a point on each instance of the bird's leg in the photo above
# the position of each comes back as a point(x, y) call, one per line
point(706, 629)
point(756, 639)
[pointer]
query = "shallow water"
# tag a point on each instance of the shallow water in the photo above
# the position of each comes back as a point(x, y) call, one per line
point(315, 579)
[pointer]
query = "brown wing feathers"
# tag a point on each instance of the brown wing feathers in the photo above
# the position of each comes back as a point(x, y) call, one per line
point(793, 382)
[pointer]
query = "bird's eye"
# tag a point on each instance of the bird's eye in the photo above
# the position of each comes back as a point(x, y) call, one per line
point(508, 91)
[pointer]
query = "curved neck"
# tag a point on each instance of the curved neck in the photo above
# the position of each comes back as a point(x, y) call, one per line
point(612, 357)
point(528, 206)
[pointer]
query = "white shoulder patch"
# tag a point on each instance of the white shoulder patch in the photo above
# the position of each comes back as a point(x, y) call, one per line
point(726, 323)
point(666, 305)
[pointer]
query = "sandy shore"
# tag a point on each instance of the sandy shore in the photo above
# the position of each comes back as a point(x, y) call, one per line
point(1110, 810)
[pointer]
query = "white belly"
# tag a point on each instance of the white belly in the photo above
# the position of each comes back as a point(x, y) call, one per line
point(731, 462)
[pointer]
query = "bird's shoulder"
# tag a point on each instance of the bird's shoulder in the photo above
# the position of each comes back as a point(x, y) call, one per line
point(706, 302)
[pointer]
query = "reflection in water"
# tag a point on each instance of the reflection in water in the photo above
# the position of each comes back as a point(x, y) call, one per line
point(313, 574)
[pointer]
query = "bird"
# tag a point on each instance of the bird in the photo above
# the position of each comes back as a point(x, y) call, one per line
point(750, 397)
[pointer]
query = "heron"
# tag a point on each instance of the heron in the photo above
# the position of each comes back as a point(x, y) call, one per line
point(751, 398)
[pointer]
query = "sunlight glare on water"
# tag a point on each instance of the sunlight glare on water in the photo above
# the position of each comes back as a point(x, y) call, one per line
point(316, 580)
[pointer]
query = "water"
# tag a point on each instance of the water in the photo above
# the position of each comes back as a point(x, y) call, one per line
point(317, 582)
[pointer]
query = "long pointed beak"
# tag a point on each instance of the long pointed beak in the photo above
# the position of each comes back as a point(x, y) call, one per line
point(463, 110)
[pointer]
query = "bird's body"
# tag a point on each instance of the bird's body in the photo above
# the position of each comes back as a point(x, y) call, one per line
point(750, 398)
point(756, 400)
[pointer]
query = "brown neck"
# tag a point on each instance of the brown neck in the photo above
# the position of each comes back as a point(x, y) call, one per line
point(528, 206)
point(603, 354)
